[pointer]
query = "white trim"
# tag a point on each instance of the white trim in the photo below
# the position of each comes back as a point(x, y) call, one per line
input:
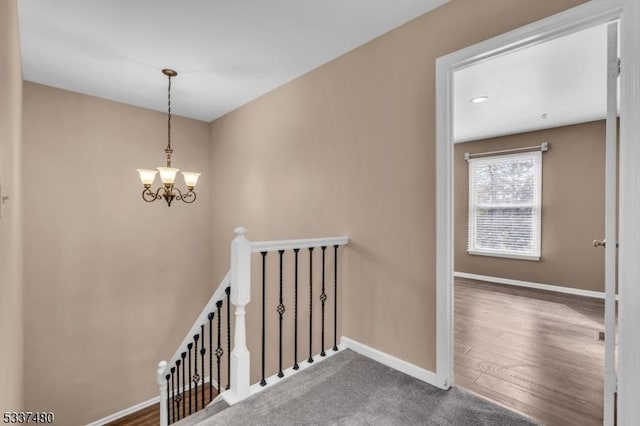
point(395, 363)
point(273, 380)
point(572, 20)
point(259, 246)
point(142, 405)
point(202, 318)
point(629, 225)
point(575, 19)
point(289, 372)
point(444, 220)
point(610, 220)
point(125, 412)
point(528, 284)
point(504, 255)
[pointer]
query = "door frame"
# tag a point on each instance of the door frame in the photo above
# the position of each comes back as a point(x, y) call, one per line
point(575, 19)
point(610, 224)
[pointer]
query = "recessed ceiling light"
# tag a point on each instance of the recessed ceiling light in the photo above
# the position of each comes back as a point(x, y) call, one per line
point(479, 99)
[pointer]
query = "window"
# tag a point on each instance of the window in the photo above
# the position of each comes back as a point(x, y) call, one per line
point(505, 195)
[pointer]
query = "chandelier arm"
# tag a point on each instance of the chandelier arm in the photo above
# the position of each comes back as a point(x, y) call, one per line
point(149, 196)
point(188, 197)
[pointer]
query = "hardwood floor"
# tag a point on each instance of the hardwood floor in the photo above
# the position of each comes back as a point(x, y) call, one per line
point(534, 351)
point(146, 417)
point(150, 416)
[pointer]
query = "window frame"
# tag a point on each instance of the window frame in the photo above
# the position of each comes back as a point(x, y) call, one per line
point(472, 249)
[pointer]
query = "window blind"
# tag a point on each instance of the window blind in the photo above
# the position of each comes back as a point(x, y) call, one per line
point(505, 194)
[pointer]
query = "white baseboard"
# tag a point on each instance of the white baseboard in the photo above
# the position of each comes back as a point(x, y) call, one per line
point(125, 412)
point(395, 363)
point(539, 286)
point(137, 407)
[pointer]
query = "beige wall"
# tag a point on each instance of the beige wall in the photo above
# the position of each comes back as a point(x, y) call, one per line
point(572, 208)
point(346, 149)
point(11, 324)
point(349, 149)
point(111, 283)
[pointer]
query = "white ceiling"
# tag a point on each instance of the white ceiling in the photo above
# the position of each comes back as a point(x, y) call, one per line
point(227, 53)
point(565, 78)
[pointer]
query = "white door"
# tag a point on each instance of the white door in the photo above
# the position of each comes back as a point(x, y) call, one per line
point(611, 237)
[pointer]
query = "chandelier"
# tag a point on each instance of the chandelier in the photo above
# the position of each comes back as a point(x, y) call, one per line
point(168, 174)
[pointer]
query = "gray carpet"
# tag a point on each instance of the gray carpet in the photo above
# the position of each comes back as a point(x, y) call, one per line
point(213, 408)
point(349, 389)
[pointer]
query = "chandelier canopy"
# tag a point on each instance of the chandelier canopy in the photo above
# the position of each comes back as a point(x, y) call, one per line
point(168, 174)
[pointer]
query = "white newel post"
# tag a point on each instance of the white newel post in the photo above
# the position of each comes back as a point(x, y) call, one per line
point(240, 297)
point(164, 413)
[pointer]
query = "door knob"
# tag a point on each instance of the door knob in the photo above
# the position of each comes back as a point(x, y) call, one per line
point(598, 243)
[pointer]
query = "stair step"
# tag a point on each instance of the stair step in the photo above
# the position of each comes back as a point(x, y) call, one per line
point(150, 416)
point(195, 397)
point(215, 407)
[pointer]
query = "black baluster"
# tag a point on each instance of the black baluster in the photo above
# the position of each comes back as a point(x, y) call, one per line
point(310, 303)
point(219, 350)
point(189, 347)
point(183, 355)
point(295, 314)
point(203, 351)
point(196, 376)
point(335, 297)
point(228, 291)
point(210, 316)
point(173, 396)
point(178, 396)
point(263, 382)
point(281, 311)
point(167, 377)
point(323, 299)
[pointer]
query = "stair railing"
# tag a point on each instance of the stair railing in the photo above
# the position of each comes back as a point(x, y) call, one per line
point(235, 289)
point(241, 250)
point(180, 398)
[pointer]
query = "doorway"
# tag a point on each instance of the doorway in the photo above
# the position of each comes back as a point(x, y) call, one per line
point(529, 167)
point(560, 26)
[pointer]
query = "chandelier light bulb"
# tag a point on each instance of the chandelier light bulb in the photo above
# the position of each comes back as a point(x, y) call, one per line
point(147, 176)
point(168, 175)
point(190, 179)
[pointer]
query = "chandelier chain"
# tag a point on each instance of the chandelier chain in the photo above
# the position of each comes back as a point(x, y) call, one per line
point(169, 115)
